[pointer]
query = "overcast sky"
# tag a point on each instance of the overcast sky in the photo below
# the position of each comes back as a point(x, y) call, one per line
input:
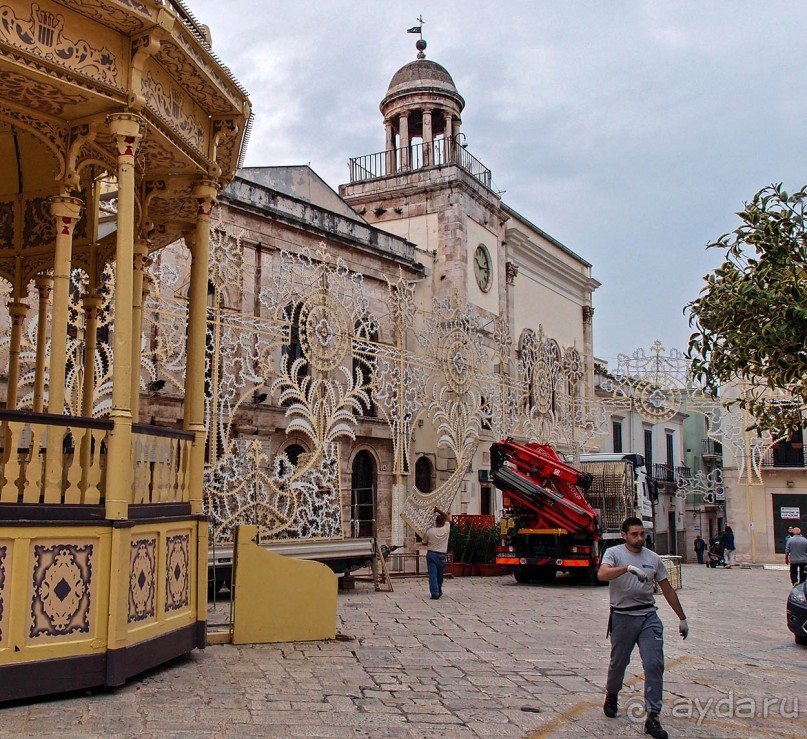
point(630, 131)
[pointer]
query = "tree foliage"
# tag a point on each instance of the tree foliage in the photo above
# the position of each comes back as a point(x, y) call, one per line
point(750, 319)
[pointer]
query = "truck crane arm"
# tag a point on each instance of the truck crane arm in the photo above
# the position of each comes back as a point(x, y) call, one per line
point(539, 480)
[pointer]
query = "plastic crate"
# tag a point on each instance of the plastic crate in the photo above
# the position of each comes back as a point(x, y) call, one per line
point(673, 565)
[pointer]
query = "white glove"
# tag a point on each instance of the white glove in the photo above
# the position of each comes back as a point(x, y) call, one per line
point(683, 629)
point(641, 575)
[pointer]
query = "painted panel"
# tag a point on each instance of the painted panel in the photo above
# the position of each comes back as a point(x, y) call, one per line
point(174, 106)
point(177, 571)
point(5, 588)
point(143, 579)
point(63, 589)
point(65, 39)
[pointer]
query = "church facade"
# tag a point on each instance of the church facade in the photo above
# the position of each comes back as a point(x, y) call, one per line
point(366, 347)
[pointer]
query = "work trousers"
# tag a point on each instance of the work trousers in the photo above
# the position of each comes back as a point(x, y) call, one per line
point(647, 631)
point(436, 564)
point(798, 572)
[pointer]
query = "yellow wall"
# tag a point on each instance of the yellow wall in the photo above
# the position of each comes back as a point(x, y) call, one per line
point(278, 598)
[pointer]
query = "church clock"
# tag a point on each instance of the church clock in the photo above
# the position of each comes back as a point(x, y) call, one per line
point(482, 268)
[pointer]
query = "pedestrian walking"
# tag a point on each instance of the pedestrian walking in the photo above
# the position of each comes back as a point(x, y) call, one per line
point(728, 546)
point(796, 557)
point(700, 548)
point(789, 534)
point(630, 570)
point(436, 541)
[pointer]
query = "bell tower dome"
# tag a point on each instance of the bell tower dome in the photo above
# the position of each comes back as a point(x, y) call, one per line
point(422, 103)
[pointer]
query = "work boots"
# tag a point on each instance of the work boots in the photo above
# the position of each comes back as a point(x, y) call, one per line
point(610, 706)
point(653, 727)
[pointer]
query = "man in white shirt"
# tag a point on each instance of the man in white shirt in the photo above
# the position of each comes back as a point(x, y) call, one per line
point(436, 541)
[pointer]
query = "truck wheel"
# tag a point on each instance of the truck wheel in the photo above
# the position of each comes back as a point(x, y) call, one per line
point(801, 640)
point(523, 574)
point(545, 574)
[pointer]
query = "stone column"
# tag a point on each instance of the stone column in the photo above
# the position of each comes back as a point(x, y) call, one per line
point(194, 412)
point(403, 139)
point(389, 146)
point(66, 211)
point(140, 255)
point(448, 134)
point(428, 138)
point(125, 127)
point(44, 284)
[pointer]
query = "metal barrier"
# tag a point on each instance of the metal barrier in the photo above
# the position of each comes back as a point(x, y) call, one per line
point(399, 565)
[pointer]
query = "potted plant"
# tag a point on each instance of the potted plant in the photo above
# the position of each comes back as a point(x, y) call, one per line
point(490, 538)
point(472, 545)
point(458, 548)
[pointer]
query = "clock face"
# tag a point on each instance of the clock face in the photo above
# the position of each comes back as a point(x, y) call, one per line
point(482, 268)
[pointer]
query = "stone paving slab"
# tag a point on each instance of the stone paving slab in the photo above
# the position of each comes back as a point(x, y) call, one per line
point(466, 666)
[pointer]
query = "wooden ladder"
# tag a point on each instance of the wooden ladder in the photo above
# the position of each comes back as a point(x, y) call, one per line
point(381, 579)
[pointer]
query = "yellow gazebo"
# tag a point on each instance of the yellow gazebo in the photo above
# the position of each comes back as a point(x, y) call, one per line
point(103, 545)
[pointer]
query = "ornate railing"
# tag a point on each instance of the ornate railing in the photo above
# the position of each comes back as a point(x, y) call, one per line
point(785, 454)
point(436, 153)
point(50, 459)
point(670, 474)
point(62, 460)
point(711, 448)
point(161, 462)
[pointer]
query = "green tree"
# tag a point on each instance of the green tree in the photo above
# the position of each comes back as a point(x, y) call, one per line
point(750, 319)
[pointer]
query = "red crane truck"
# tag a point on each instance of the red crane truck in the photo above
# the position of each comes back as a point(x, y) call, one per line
point(548, 524)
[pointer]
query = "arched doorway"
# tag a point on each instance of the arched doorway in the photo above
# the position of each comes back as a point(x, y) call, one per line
point(362, 496)
point(293, 453)
point(423, 475)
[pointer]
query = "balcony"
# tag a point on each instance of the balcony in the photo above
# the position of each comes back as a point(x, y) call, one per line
point(711, 449)
point(785, 454)
point(669, 474)
point(437, 153)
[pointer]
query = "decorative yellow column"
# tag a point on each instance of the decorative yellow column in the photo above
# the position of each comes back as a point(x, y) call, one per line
point(141, 251)
point(125, 127)
point(194, 412)
point(92, 304)
point(44, 284)
point(18, 311)
point(66, 210)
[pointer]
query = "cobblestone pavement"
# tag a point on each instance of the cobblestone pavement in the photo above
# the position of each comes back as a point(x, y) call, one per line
point(490, 659)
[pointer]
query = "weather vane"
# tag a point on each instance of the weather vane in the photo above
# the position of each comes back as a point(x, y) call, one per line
point(421, 43)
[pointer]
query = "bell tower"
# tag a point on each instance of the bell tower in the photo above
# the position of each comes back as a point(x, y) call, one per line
point(428, 188)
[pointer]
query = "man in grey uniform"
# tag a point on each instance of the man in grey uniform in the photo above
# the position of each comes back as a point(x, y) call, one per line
point(630, 570)
point(796, 556)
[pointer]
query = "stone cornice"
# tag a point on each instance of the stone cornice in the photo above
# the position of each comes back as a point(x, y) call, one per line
point(539, 265)
point(320, 222)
